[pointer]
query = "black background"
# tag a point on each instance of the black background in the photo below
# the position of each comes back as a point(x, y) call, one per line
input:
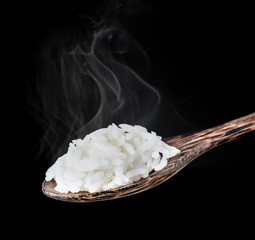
point(202, 61)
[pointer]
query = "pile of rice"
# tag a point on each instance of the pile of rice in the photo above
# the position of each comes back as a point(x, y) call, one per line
point(108, 158)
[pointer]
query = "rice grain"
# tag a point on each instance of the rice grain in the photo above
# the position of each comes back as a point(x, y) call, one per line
point(108, 158)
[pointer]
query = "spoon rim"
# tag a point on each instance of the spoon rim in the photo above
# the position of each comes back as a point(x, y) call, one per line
point(153, 179)
point(113, 193)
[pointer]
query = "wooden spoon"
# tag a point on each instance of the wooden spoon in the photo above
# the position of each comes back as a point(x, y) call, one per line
point(191, 146)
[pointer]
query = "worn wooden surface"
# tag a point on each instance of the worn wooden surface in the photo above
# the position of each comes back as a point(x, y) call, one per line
point(191, 146)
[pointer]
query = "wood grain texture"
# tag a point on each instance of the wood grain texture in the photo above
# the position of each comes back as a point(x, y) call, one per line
point(191, 146)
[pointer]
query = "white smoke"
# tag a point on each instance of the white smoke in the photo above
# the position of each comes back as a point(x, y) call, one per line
point(85, 82)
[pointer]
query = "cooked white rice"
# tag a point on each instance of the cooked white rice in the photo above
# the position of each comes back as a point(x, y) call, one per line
point(108, 158)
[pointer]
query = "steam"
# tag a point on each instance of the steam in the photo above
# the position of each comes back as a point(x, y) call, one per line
point(85, 82)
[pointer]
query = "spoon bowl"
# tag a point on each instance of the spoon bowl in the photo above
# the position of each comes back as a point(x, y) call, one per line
point(191, 146)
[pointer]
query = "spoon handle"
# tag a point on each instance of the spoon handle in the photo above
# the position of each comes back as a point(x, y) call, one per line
point(195, 144)
point(215, 136)
point(229, 131)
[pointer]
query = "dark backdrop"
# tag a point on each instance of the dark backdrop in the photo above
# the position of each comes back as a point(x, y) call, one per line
point(201, 60)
